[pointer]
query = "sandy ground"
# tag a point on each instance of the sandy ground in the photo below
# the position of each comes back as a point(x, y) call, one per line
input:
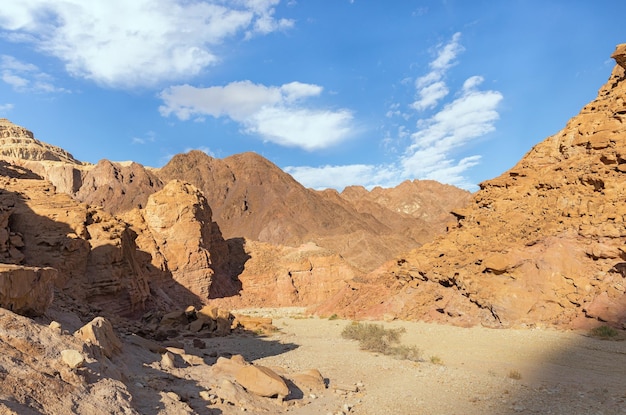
point(481, 371)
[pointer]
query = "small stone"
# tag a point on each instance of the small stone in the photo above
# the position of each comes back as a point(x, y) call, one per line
point(167, 360)
point(55, 325)
point(72, 358)
point(173, 396)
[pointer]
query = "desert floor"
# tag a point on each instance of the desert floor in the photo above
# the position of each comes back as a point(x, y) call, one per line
point(479, 370)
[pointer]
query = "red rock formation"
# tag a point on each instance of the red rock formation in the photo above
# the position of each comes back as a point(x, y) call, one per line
point(26, 290)
point(279, 276)
point(117, 187)
point(93, 252)
point(183, 241)
point(544, 243)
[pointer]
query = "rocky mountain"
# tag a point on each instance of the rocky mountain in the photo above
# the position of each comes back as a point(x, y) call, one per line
point(19, 143)
point(543, 244)
point(254, 199)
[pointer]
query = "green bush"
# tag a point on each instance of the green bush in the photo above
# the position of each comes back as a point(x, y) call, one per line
point(375, 338)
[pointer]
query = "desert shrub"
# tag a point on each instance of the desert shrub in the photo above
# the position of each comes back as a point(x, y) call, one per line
point(436, 360)
point(514, 374)
point(333, 317)
point(376, 338)
point(604, 332)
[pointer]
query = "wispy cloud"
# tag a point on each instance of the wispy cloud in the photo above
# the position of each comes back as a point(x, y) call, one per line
point(433, 140)
point(26, 77)
point(430, 87)
point(140, 42)
point(339, 177)
point(6, 108)
point(276, 113)
point(148, 137)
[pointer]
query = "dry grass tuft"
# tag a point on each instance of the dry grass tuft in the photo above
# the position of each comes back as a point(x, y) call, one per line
point(604, 332)
point(514, 374)
point(375, 338)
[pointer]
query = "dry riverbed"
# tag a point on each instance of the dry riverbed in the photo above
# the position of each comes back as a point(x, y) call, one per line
point(464, 370)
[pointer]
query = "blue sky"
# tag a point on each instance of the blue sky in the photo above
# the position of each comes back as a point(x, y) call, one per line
point(335, 92)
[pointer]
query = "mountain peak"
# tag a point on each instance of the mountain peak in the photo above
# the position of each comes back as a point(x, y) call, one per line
point(19, 143)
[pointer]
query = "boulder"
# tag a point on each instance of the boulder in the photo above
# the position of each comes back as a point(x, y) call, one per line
point(26, 290)
point(311, 380)
point(174, 319)
point(262, 381)
point(99, 332)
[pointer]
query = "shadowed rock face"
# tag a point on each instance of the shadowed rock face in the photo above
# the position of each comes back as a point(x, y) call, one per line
point(93, 252)
point(544, 243)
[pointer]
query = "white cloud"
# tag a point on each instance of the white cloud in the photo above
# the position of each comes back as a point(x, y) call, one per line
point(430, 95)
point(433, 141)
point(6, 107)
point(276, 113)
point(25, 77)
point(149, 137)
point(430, 87)
point(341, 176)
point(121, 43)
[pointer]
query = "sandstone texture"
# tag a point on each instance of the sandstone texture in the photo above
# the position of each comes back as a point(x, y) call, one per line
point(182, 239)
point(19, 143)
point(281, 276)
point(26, 290)
point(543, 244)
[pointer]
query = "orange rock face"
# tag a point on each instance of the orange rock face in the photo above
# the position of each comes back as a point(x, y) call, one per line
point(544, 243)
point(179, 220)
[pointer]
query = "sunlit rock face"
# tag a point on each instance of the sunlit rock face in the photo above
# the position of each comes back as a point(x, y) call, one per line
point(544, 243)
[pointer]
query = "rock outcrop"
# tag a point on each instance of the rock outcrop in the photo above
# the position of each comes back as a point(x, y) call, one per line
point(176, 229)
point(544, 243)
point(18, 143)
point(117, 187)
point(26, 290)
point(93, 253)
point(281, 276)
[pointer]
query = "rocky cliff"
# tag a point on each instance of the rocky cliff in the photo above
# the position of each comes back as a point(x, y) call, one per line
point(544, 243)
